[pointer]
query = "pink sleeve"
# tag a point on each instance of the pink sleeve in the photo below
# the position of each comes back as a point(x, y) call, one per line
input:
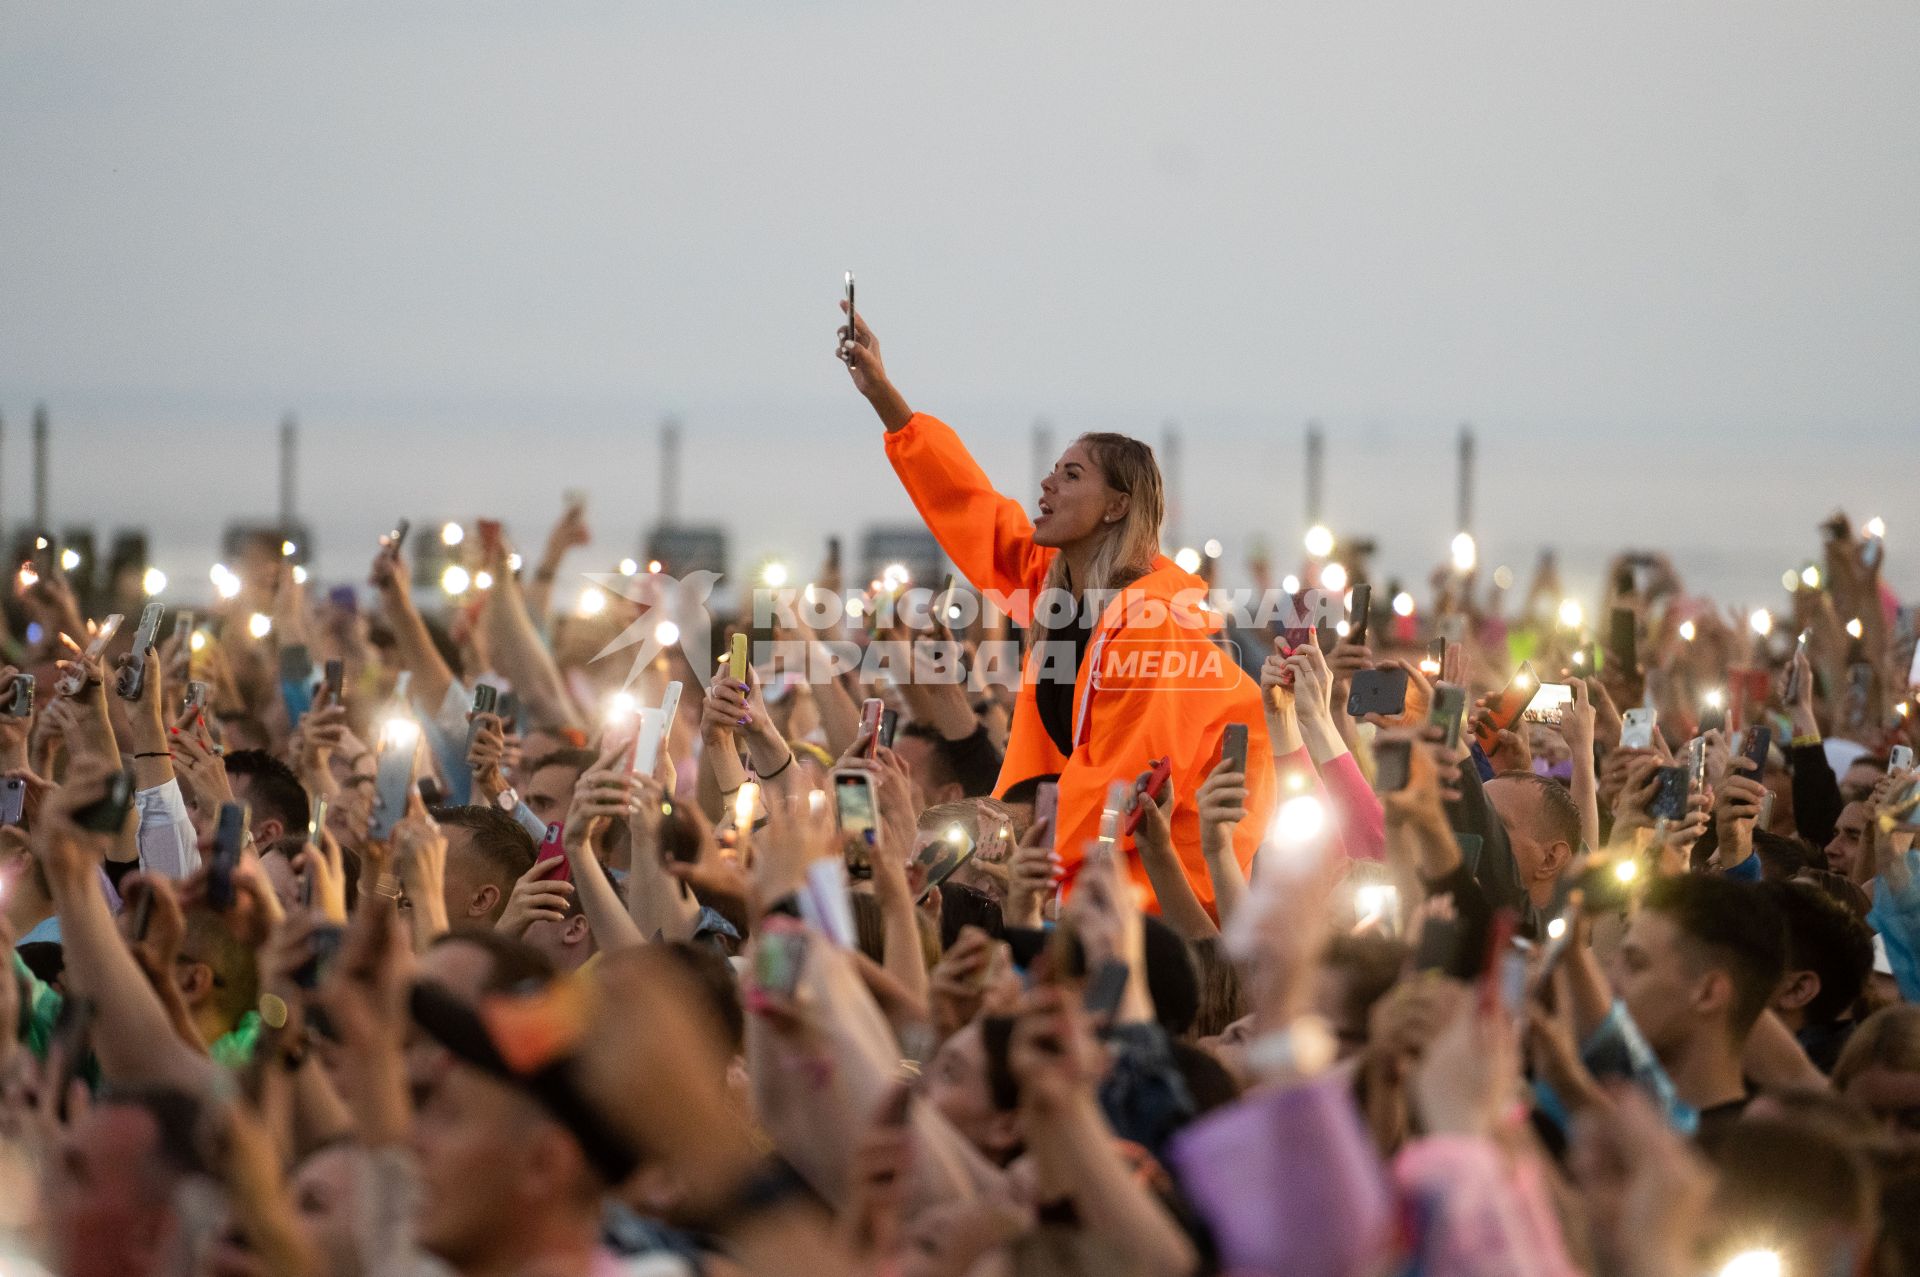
point(1476, 1212)
point(1362, 823)
point(1300, 763)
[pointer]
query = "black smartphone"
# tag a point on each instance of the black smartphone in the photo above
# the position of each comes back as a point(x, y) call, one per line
point(1106, 987)
point(1392, 765)
point(486, 698)
point(107, 814)
point(132, 679)
point(143, 915)
point(323, 948)
point(509, 712)
point(1713, 718)
point(336, 681)
point(228, 837)
point(1382, 691)
point(391, 543)
point(1359, 612)
point(1448, 711)
point(889, 724)
point(68, 1049)
point(1440, 945)
point(1233, 747)
point(1670, 796)
point(850, 325)
point(1755, 746)
point(1623, 649)
point(13, 800)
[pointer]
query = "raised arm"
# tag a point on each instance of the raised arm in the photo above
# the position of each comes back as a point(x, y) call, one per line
point(988, 536)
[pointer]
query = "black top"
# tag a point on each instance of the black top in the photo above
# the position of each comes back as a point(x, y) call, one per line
point(1060, 651)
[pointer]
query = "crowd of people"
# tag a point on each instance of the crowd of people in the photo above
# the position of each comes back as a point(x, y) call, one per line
point(1445, 935)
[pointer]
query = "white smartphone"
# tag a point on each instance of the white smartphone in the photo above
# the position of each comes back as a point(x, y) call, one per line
point(1900, 758)
point(1636, 728)
point(646, 745)
point(1119, 798)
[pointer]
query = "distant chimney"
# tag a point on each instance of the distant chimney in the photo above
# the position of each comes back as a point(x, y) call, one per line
point(669, 472)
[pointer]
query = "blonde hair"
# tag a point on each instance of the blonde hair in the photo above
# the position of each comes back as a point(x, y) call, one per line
point(1127, 548)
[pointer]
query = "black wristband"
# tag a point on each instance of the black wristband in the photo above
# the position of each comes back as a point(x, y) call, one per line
point(156, 753)
point(776, 771)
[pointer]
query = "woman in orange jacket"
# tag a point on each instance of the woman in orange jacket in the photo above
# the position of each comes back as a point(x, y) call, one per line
point(1123, 670)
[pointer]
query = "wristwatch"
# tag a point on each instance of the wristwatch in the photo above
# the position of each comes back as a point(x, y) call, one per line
point(507, 800)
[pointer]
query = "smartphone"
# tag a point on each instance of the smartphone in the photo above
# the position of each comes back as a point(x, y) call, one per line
point(183, 622)
point(1622, 640)
point(132, 679)
point(1359, 613)
point(553, 848)
point(489, 533)
point(1392, 765)
point(737, 657)
point(889, 724)
point(1509, 706)
point(1046, 806)
point(1549, 704)
point(13, 800)
point(1119, 794)
point(391, 543)
point(850, 324)
point(779, 956)
point(1636, 727)
point(1299, 629)
point(854, 804)
point(228, 837)
point(1697, 763)
point(1670, 795)
point(1149, 791)
point(70, 1045)
point(646, 742)
point(1713, 718)
point(1492, 966)
point(1759, 740)
point(335, 681)
point(485, 698)
point(1441, 938)
point(1233, 747)
point(1105, 988)
point(509, 711)
point(143, 916)
point(393, 775)
point(317, 820)
point(19, 702)
point(296, 664)
point(1436, 657)
point(1448, 710)
point(323, 948)
point(1900, 758)
point(945, 854)
point(870, 712)
point(1381, 691)
point(107, 814)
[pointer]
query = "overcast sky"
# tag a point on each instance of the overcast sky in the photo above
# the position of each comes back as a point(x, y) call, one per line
point(1665, 255)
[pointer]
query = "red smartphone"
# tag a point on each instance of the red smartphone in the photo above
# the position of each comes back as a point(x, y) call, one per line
point(1150, 791)
point(551, 848)
point(1512, 703)
point(489, 530)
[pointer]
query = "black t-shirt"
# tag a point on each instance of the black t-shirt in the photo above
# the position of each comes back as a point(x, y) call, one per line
point(1053, 693)
point(1716, 1121)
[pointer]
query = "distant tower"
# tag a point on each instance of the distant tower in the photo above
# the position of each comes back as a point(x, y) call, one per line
point(1465, 504)
point(1042, 451)
point(289, 448)
point(669, 472)
point(1316, 458)
point(40, 468)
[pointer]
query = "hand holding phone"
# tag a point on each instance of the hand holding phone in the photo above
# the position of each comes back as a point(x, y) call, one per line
point(132, 679)
point(1149, 791)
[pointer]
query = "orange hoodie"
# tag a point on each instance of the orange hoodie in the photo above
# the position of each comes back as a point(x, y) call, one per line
point(1164, 688)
